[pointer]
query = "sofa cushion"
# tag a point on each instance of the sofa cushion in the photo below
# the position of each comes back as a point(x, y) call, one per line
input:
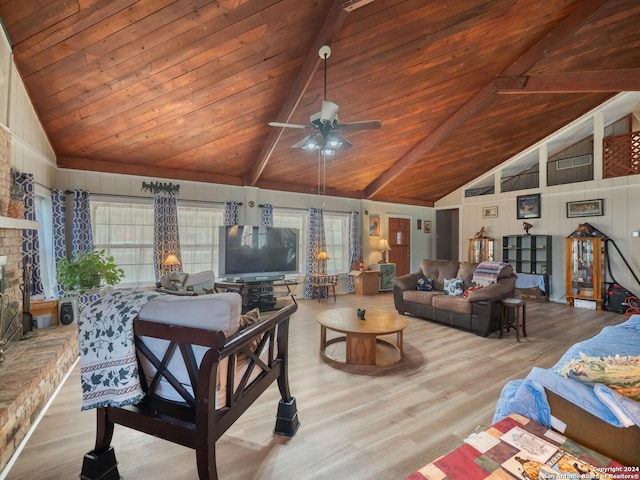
point(419, 296)
point(451, 303)
point(465, 273)
point(211, 312)
point(453, 286)
point(426, 284)
point(439, 270)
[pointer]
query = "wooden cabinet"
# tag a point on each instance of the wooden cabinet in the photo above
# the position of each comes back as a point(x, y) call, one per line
point(585, 269)
point(480, 249)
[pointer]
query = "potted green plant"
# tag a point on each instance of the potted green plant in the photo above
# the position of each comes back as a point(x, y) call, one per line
point(88, 270)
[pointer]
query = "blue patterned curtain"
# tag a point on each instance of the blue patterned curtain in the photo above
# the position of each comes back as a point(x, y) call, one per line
point(230, 214)
point(81, 235)
point(58, 204)
point(166, 240)
point(30, 244)
point(315, 244)
point(354, 246)
point(267, 215)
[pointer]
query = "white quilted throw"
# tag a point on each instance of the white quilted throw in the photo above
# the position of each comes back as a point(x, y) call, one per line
point(109, 369)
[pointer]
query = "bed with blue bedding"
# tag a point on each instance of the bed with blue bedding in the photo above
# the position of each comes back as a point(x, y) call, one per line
point(614, 348)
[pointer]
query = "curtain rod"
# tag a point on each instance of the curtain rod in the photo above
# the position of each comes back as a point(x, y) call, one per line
point(69, 192)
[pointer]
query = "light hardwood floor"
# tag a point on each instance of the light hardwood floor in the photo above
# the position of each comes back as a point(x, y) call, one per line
point(377, 426)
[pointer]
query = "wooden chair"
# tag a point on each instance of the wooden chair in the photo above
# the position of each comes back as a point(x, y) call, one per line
point(321, 283)
point(196, 423)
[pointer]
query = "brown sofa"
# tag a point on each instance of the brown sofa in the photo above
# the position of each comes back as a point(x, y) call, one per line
point(479, 312)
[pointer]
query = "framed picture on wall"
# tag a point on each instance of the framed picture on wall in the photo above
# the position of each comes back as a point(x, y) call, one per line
point(427, 226)
point(489, 212)
point(585, 208)
point(528, 206)
point(374, 225)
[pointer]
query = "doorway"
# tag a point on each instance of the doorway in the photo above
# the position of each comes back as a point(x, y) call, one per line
point(447, 234)
point(400, 243)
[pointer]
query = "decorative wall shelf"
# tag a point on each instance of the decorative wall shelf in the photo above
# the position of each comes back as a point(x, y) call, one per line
point(18, 223)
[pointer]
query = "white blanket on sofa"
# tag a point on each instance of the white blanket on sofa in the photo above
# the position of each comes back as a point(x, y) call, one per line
point(108, 364)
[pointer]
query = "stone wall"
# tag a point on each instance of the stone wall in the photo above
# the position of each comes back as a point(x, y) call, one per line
point(10, 239)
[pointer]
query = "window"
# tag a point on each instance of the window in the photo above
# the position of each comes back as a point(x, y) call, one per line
point(294, 219)
point(336, 232)
point(199, 237)
point(336, 229)
point(44, 217)
point(125, 231)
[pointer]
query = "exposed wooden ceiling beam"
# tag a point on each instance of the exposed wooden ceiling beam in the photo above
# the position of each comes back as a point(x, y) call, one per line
point(523, 63)
point(332, 24)
point(624, 80)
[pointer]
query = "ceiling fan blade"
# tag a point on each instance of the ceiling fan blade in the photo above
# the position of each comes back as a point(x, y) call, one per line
point(329, 111)
point(346, 144)
point(364, 125)
point(287, 125)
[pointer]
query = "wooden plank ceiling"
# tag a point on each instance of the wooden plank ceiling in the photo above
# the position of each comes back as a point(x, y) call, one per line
point(185, 89)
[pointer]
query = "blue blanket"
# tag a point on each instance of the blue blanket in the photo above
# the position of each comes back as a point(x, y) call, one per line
point(527, 396)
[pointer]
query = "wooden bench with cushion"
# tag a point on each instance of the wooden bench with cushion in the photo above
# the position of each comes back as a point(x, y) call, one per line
point(200, 374)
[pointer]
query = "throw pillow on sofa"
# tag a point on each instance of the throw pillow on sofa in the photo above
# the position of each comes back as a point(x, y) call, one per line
point(248, 319)
point(425, 284)
point(472, 288)
point(173, 280)
point(453, 286)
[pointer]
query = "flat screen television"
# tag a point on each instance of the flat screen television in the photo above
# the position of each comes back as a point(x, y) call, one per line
point(248, 251)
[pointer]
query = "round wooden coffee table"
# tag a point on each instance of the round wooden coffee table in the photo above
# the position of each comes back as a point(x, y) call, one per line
point(363, 349)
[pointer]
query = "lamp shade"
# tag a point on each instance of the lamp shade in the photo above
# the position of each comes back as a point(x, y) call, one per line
point(171, 260)
point(322, 255)
point(383, 244)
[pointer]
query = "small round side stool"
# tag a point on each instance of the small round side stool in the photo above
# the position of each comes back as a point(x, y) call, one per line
point(519, 319)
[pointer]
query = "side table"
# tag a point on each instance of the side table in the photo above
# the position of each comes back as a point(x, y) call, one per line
point(515, 304)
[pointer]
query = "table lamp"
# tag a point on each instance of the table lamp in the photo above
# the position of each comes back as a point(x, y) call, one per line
point(171, 261)
point(322, 255)
point(383, 245)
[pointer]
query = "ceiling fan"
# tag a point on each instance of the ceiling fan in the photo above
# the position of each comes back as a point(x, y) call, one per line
point(326, 123)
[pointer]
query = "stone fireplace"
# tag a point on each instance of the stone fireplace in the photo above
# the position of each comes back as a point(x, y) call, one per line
point(32, 369)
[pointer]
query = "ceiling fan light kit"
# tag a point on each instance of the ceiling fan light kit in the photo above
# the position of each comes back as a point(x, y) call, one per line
point(326, 121)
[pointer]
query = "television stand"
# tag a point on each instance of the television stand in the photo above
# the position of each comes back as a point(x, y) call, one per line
point(267, 295)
